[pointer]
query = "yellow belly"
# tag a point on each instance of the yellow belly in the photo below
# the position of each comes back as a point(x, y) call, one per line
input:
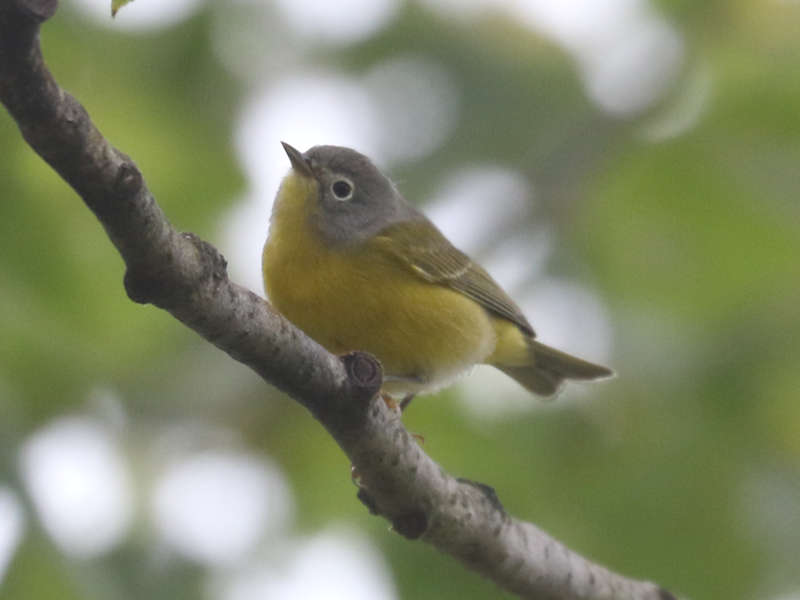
point(420, 332)
point(361, 299)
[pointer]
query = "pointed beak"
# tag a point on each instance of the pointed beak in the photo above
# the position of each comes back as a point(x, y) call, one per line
point(299, 163)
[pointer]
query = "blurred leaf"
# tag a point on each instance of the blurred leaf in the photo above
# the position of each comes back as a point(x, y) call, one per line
point(117, 4)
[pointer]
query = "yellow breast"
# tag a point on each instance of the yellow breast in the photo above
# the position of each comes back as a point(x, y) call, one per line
point(364, 299)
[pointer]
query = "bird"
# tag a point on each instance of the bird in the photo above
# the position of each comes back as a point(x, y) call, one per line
point(354, 265)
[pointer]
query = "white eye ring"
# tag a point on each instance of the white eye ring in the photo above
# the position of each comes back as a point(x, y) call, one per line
point(342, 189)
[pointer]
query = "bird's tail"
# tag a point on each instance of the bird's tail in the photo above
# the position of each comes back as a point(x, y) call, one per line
point(550, 368)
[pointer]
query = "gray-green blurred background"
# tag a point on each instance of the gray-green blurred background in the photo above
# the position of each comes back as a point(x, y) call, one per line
point(628, 169)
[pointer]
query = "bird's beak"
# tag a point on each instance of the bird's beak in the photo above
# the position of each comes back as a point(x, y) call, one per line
point(299, 163)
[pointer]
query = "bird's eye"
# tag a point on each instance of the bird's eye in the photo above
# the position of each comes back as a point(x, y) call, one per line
point(342, 189)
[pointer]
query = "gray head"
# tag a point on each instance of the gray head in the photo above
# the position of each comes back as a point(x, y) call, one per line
point(356, 200)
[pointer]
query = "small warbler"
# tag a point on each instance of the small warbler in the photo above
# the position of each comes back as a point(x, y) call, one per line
point(355, 266)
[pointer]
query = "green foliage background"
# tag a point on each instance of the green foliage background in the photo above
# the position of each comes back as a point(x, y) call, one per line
point(693, 243)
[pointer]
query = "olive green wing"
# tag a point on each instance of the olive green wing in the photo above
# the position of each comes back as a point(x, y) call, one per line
point(421, 246)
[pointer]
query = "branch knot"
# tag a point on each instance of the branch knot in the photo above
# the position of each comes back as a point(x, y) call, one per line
point(129, 180)
point(214, 264)
point(364, 371)
point(364, 380)
point(411, 525)
point(365, 376)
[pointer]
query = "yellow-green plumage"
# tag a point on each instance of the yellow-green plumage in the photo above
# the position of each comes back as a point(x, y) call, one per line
point(366, 299)
point(405, 295)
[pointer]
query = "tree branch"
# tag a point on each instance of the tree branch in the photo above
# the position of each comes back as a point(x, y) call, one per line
point(186, 276)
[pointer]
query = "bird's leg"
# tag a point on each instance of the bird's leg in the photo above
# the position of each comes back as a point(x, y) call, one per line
point(398, 407)
point(391, 403)
point(406, 401)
